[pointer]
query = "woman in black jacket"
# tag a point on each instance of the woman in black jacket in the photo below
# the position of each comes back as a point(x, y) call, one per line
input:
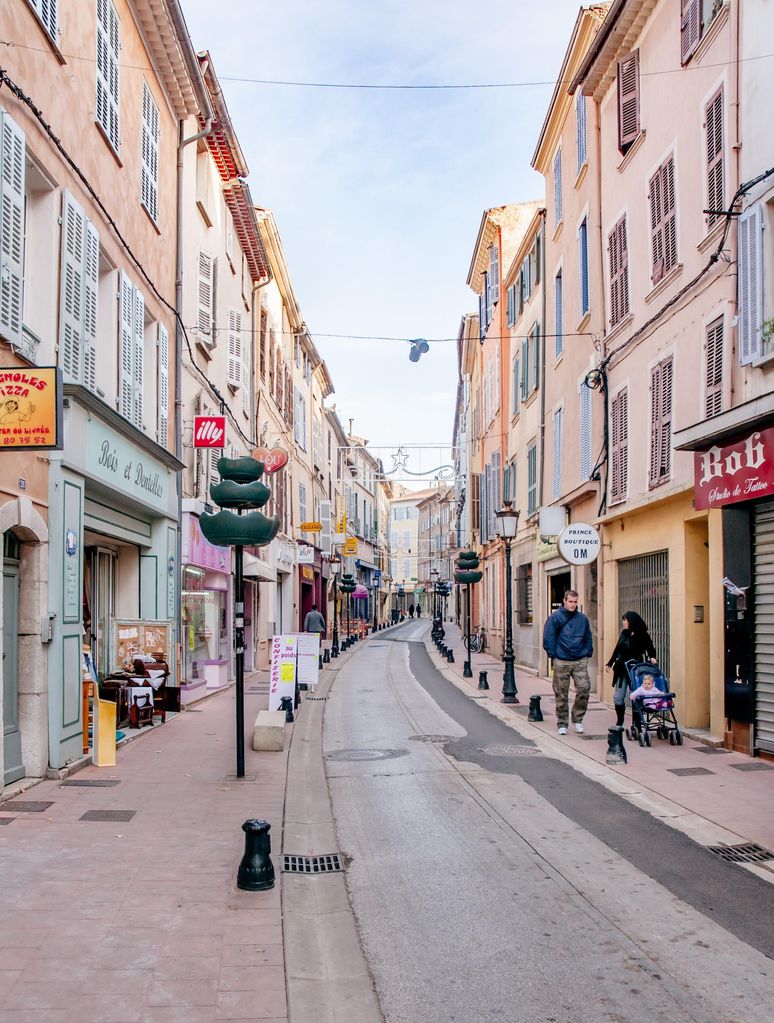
point(634, 644)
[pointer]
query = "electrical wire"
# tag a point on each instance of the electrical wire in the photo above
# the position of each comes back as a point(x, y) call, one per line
point(409, 340)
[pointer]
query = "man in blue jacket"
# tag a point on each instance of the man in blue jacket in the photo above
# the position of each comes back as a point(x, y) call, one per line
point(567, 641)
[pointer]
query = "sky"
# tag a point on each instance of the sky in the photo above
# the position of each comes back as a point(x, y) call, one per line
point(378, 194)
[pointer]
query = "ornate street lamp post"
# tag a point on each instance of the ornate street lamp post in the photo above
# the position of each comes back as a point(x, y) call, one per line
point(507, 524)
point(335, 569)
point(467, 573)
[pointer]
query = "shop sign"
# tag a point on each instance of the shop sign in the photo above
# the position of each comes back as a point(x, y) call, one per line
point(209, 431)
point(742, 471)
point(546, 548)
point(30, 408)
point(307, 573)
point(203, 553)
point(579, 544)
point(282, 674)
point(305, 555)
point(350, 545)
point(123, 466)
point(310, 527)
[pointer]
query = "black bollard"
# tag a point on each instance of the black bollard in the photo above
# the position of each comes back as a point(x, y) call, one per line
point(320, 662)
point(535, 713)
point(467, 671)
point(482, 680)
point(296, 696)
point(450, 656)
point(326, 656)
point(286, 704)
point(616, 751)
point(256, 871)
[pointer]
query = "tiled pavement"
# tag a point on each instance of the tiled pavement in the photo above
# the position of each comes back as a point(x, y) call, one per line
point(730, 790)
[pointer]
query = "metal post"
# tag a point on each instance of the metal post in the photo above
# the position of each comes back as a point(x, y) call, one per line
point(239, 624)
point(349, 631)
point(335, 639)
point(509, 680)
point(467, 670)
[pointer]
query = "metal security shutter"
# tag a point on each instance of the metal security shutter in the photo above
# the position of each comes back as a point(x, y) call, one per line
point(643, 586)
point(763, 550)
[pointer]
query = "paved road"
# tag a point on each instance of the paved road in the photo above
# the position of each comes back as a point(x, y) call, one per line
point(512, 888)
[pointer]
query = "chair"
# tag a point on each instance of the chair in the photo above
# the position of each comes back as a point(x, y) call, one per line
point(141, 668)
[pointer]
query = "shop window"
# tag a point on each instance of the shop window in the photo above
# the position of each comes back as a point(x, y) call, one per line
point(205, 628)
point(525, 610)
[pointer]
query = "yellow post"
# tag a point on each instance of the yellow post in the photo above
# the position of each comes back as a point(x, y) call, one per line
point(104, 732)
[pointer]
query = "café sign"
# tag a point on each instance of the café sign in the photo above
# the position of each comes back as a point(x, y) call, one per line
point(30, 408)
point(742, 471)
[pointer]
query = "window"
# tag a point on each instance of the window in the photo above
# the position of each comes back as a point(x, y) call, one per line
point(525, 369)
point(206, 299)
point(713, 395)
point(262, 343)
point(12, 174)
point(713, 123)
point(534, 353)
point(398, 513)
point(494, 276)
point(132, 323)
point(532, 482)
point(302, 502)
point(580, 128)
point(750, 285)
point(229, 244)
point(558, 316)
point(525, 610)
point(163, 385)
point(663, 220)
point(509, 482)
point(407, 540)
point(660, 422)
point(234, 348)
point(510, 305)
point(475, 498)
point(556, 482)
point(583, 262)
point(79, 290)
point(299, 418)
point(407, 568)
point(108, 49)
point(515, 384)
point(585, 430)
point(558, 187)
point(149, 174)
point(483, 307)
point(619, 273)
point(696, 17)
point(619, 447)
point(628, 100)
point(47, 12)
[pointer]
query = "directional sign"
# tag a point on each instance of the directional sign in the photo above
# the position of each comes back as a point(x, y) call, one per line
point(579, 544)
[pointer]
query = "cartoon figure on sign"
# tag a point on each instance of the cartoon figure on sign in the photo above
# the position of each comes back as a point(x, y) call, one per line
point(11, 414)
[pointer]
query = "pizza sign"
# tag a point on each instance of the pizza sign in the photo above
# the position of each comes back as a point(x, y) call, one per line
point(30, 407)
point(209, 431)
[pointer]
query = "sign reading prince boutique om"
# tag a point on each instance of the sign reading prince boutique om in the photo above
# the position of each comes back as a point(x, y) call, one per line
point(124, 466)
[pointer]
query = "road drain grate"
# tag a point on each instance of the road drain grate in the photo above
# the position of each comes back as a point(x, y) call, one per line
point(26, 806)
point(108, 815)
point(328, 864)
point(748, 852)
point(433, 738)
point(317, 699)
point(365, 754)
point(91, 783)
point(511, 751)
point(482, 697)
point(6, 820)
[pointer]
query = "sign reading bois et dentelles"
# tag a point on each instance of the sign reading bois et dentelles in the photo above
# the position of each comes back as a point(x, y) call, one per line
point(742, 471)
point(30, 407)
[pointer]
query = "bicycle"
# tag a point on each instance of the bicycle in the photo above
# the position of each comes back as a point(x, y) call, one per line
point(476, 642)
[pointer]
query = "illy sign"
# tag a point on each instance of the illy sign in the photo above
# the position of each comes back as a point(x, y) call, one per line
point(737, 472)
point(209, 431)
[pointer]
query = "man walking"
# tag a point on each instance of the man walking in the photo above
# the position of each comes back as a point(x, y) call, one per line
point(314, 621)
point(567, 641)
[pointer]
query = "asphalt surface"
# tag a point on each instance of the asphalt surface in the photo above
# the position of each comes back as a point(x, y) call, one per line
point(488, 885)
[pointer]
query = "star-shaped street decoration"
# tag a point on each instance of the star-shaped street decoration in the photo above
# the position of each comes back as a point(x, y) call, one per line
point(400, 459)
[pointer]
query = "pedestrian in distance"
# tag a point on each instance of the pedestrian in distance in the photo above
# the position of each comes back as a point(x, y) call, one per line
point(567, 641)
point(411, 610)
point(314, 621)
point(634, 644)
point(419, 610)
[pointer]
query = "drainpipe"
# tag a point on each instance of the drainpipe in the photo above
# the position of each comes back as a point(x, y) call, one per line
point(542, 357)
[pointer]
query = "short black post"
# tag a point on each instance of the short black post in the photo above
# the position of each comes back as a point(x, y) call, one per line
point(450, 656)
point(616, 751)
point(296, 696)
point(320, 662)
point(256, 871)
point(535, 713)
point(326, 656)
point(286, 704)
point(482, 680)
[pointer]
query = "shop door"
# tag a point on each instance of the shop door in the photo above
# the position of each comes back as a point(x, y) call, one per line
point(643, 586)
point(102, 608)
point(763, 549)
point(13, 768)
point(557, 585)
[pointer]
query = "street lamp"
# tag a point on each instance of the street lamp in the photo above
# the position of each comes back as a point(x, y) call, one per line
point(335, 568)
point(507, 524)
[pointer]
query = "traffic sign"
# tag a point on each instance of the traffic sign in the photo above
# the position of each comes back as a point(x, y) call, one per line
point(579, 544)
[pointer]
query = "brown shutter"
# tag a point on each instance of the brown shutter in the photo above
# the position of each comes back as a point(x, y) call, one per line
point(713, 401)
point(619, 446)
point(690, 28)
point(655, 424)
point(714, 134)
point(628, 100)
point(271, 362)
point(656, 199)
point(669, 213)
point(619, 273)
point(262, 361)
point(665, 427)
point(278, 381)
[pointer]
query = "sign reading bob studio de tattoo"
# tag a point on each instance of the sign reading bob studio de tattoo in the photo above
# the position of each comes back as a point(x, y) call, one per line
point(742, 471)
point(124, 466)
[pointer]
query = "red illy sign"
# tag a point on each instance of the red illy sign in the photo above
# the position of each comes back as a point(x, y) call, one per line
point(209, 431)
point(742, 471)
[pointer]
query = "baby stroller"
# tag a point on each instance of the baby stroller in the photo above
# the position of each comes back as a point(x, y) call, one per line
point(652, 716)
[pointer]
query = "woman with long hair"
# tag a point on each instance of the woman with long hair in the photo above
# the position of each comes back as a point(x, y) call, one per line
point(634, 644)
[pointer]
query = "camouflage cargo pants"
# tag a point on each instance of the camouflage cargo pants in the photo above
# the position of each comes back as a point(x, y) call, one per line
point(579, 673)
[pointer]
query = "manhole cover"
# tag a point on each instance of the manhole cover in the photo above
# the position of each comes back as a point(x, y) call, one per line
point(710, 750)
point(748, 852)
point(687, 772)
point(26, 806)
point(328, 864)
point(433, 738)
point(365, 754)
point(6, 820)
point(755, 766)
point(511, 751)
point(108, 815)
point(91, 783)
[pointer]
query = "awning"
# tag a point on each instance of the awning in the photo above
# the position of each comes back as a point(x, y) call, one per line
point(254, 568)
point(359, 592)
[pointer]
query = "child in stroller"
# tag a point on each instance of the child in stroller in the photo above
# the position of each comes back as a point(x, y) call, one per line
point(652, 705)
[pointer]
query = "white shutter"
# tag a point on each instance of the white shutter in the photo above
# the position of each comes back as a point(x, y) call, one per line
point(108, 47)
point(247, 381)
point(138, 337)
point(126, 319)
point(557, 467)
point(296, 415)
point(11, 228)
point(580, 126)
point(71, 301)
point(585, 431)
point(558, 187)
point(234, 348)
point(205, 295)
point(750, 285)
point(163, 385)
point(149, 155)
point(47, 12)
point(90, 292)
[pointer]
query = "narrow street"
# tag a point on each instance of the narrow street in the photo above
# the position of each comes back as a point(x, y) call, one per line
point(491, 881)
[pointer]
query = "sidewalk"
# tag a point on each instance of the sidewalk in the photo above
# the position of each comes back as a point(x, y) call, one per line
point(733, 792)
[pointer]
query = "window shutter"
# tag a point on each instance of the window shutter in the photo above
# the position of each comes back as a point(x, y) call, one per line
point(558, 316)
point(713, 400)
point(296, 417)
point(714, 135)
point(619, 273)
point(247, 383)
point(12, 149)
point(138, 334)
point(90, 301)
point(580, 128)
point(558, 187)
point(665, 427)
point(619, 470)
point(628, 100)
point(525, 369)
point(205, 296)
point(655, 423)
point(482, 312)
point(669, 213)
point(47, 10)
point(71, 301)
point(535, 346)
point(494, 272)
point(108, 48)
point(583, 259)
point(690, 28)
point(262, 342)
point(126, 318)
point(557, 466)
point(515, 386)
point(750, 285)
point(234, 348)
point(585, 431)
point(163, 385)
point(149, 156)
point(656, 200)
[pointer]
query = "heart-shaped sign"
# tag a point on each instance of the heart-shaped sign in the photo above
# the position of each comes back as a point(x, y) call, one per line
point(272, 460)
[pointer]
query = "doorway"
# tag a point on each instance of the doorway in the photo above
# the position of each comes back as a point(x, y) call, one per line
point(100, 591)
point(13, 768)
point(557, 584)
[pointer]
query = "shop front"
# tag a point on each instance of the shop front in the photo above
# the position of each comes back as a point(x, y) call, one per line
point(309, 581)
point(205, 609)
point(112, 561)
